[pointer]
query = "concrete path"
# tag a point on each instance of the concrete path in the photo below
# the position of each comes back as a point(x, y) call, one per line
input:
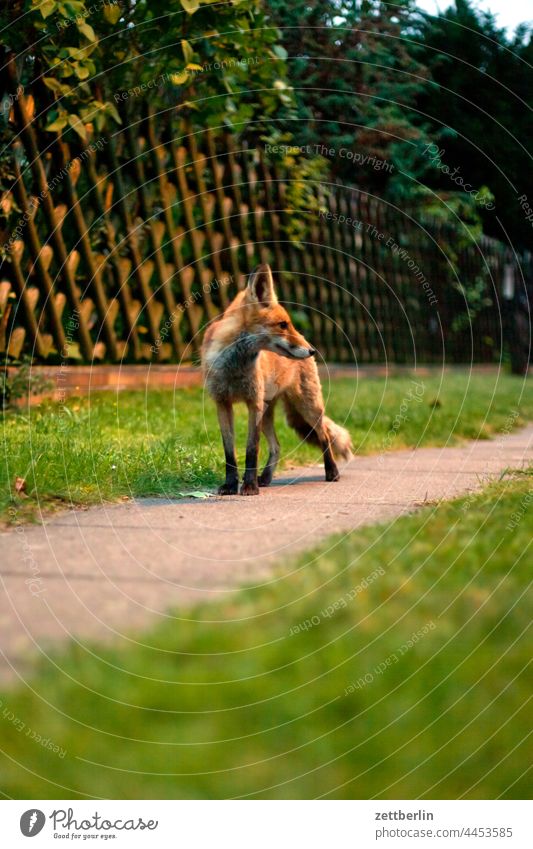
point(107, 572)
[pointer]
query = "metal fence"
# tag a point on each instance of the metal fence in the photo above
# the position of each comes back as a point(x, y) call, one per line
point(123, 250)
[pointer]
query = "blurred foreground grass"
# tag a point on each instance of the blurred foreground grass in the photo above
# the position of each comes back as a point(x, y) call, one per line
point(415, 685)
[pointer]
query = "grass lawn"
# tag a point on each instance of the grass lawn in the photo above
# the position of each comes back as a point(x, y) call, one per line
point(415, 684)
point(131, 444)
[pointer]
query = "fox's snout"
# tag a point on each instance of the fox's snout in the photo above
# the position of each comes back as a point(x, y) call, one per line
point(282, 346)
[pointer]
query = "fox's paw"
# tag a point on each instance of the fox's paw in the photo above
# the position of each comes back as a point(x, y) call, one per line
point(264, 479)
point(228, 489)
point(333, 475)
point(249, 489)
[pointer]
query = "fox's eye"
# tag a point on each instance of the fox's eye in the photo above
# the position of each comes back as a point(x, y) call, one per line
point(284, 325)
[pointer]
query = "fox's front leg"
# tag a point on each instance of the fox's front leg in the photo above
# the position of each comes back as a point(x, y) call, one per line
point(225, 420)
point(267, 425)
point(250, 485)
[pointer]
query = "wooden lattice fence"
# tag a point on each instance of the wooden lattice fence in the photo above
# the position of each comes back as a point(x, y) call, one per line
point(125, 249)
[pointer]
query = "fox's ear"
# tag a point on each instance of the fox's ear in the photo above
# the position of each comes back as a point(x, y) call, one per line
point(261, 286)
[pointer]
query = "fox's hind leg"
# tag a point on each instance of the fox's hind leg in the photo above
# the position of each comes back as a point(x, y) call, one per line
point(249, 484)
point(265, 478)
point(225, 420)
point(330, 466)
point(306, 415)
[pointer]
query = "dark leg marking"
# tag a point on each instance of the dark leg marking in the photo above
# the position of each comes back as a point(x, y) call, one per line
point(330, 466)
point(249, 484)
point(265, 478)
point(225, 420)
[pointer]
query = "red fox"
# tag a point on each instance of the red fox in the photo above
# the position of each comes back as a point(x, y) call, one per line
point(253, 353)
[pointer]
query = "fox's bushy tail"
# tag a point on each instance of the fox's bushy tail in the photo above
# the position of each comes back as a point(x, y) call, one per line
point(339, 437)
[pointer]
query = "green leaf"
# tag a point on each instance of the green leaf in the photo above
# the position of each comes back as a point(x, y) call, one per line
point(112, 109)
point(179, 78)
point(73, 52)
point(47, 8)
point(77, 126)
point(112, 12)
point(81, 71)
point(190, 6)
point(188, 52)
point(280, 51)
point(57, 125)
point(87, 31)
point(55, 85)
point(189, 104)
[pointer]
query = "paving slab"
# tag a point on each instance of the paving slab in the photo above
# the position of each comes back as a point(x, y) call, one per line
point(105, 573)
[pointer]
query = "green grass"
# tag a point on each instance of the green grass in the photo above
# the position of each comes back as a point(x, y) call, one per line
point(233, 700)
point(132, 444)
